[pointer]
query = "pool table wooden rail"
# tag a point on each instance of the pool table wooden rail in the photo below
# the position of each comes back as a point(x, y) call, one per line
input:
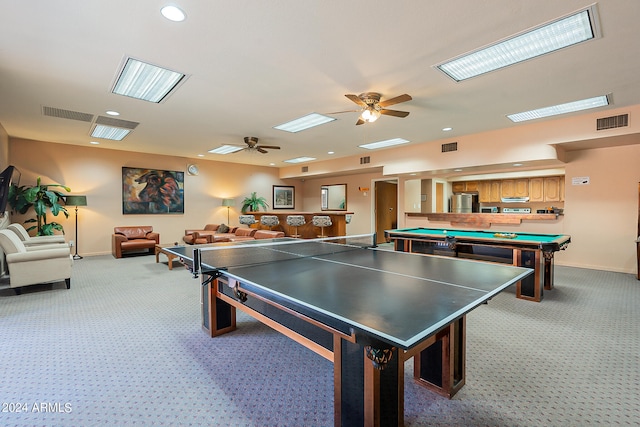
point(525, 252)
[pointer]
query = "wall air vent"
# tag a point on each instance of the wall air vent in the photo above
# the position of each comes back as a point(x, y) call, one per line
point(365, 160)
point(67, 114)
point(305, 168)
point(612, 122)
point(452, 146)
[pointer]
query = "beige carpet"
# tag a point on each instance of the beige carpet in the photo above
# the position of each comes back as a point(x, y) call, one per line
point(124, 347)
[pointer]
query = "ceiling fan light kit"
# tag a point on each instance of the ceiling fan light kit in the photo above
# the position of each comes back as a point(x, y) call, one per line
point(370, 115)
point(252, 144)
point(372, 107)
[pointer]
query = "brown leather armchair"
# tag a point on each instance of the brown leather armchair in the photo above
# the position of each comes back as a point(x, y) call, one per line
point(133, 238)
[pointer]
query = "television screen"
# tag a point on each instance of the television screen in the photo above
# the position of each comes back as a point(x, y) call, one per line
point(9, 176)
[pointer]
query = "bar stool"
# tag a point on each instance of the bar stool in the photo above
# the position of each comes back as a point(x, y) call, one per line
point(247, 220)
point(296, 221)
point(322, 221)
point(269, 221)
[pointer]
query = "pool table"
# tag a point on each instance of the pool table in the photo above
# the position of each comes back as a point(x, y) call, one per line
point(521, 249)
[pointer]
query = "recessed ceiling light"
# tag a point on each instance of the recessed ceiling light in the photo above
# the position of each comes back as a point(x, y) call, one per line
point(94, 142)
point(300, 160)
point(331, 152)
point(112, 113)
point(272, 164)
point(385, 143)
point(457, 170)
point(563, 32)
point(109, 132)
point(554, 110)
point(446, 129)
point(305, 122)
point(173, 13)
point(145, 81)
point(517, 164)
point(226, 149)
point(200, 155)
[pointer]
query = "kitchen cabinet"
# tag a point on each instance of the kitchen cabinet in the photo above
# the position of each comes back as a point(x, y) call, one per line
point(522, 187)
point(515, 187)
point(462, 186)
point(548, 189)
point(536, 189)
point(471, 186)
point(489, 191)
point(552, 189)
point(508, 188)
point(495, 191)
point(484, 191)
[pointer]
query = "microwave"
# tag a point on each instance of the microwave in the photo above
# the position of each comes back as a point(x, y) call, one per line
point(489, 209)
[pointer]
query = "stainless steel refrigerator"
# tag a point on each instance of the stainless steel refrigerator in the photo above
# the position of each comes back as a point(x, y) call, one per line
point(464, 203)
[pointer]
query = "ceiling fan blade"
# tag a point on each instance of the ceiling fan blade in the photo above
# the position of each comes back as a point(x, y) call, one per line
point(360, 122)
point(396, 100)
point(274, 147)
point(394, 113)
point(357, 100)
point(259, 149)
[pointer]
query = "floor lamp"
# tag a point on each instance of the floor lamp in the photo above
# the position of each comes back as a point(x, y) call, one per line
point(228, 203)
point(76, 201)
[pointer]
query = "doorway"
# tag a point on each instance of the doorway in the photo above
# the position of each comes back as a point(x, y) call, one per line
point(386, 207)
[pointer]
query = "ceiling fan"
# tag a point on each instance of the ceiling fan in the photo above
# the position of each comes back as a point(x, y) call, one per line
point(372, 107)
point(252, 144)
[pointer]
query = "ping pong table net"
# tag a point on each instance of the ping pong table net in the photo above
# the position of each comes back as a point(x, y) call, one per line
point(225, 256)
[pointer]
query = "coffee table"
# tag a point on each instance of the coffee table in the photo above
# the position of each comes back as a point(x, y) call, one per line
point(160, 249)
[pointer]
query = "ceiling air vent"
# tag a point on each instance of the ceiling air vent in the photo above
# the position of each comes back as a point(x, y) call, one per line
point(365, 160)
point(612, 122)
point(305, 168)
point(67, 114)
point(452, 146)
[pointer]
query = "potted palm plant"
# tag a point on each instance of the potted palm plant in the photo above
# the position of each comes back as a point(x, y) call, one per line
point(253, 203)
point(43, 200)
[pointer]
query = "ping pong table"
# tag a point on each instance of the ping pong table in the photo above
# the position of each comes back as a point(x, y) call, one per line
point(366, 310)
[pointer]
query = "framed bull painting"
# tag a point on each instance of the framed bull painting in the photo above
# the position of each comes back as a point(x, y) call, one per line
point(152, 191)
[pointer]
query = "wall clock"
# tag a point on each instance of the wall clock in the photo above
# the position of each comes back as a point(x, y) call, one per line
point(192, 169)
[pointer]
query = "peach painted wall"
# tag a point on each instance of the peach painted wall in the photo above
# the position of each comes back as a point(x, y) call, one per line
point(97, 173)
point(358, 202)
point(4, 148)
point(601, 217)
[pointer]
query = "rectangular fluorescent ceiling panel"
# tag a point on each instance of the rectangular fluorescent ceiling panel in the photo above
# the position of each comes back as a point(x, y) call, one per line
point(554, 110)
point(306, 122)
point(145, 81)
point(108, 132)
point(383, 144)
point(544, 39)
point(300, 160)
point(226, 149)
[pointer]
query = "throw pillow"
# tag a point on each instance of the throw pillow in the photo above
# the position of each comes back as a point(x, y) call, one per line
point(223, 229)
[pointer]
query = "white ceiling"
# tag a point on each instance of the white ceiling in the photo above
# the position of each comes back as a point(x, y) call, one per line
point(255, 64)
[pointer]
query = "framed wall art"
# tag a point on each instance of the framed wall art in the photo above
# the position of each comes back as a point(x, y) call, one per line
point(283, 197)
point(152, 191)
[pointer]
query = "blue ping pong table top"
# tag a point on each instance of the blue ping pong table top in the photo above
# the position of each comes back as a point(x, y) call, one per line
point(400, 298)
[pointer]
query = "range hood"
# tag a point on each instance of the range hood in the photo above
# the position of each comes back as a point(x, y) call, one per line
point(515, 199)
